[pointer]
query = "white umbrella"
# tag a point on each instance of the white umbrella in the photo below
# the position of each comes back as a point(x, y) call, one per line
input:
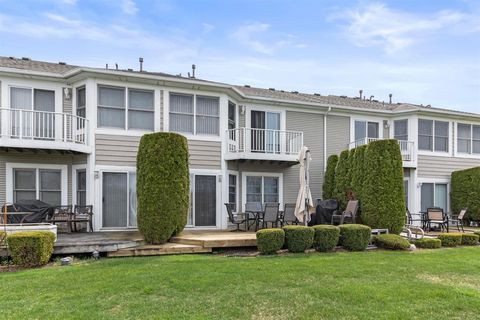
point(304, 205)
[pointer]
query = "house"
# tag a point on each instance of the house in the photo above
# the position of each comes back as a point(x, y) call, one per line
point(69, 135)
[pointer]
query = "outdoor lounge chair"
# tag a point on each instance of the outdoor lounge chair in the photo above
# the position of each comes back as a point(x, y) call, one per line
point(347, 216)
point(438, 217)
point(410, 228)
point(288, 216)
point(61, 214)
point(236, 219)
point(458, 219)
point(83, 214)
point(270, 215)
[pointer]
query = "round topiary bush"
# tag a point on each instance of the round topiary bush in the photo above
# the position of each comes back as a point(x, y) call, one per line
point(31, 248)
point(298, 238)
point(450, 239)
point(269, 241)
point(469, 239)
point(391, 241)
point(329, 183)
point(428, 243)
point(163, 186)
point(326, 237)
point(355, 237)
point(383, 198)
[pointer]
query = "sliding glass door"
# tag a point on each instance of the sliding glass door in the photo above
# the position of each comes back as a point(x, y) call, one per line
point(203, 206)
point(266, 137)
point(119, 205)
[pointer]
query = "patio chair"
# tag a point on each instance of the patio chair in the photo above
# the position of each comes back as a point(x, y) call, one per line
point(347, 216)
point(288, 216)
point(83, 214)
point(61, 214)
point(255, 209)
point(458, 219)
point(271, 215)
point(236, 219)
point(411, 228)
point(438, 217)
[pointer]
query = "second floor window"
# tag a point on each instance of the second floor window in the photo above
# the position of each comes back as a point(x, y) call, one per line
point(232, 123)
point(112, 110)
point(433, 135)
point(400, 129)
point(194, 114)
point(366, 129)
point(81, 102)
point(32, 99)
point(468, 138)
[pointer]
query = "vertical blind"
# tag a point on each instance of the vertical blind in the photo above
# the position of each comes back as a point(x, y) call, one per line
point(254, 189)
point(207, 115)
point(20, 98)
point(111, 107)
point(140, 109)
point(51, 186)
point(464, 133)
point(181, 113)
point(81, 187)
point(270, 189)
point(44, 100)
point(232, 191)
point(425, 134)
point(24, 184)
point(115, 197)
point(400, 128)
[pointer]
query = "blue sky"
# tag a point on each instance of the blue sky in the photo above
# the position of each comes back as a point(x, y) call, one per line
point(425, 52)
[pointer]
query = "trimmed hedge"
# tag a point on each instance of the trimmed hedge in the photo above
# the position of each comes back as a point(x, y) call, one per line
point(469, 239)
point(358, 171)
point(391, 241)
point(466, 192)
point(428, 243)
point(342, 180)
point(326, 237)
point(329, 183)
point(355, 237)
point(31, 248)
point(450, 239)
point(269, 241)
point(298, 238)
point(383, 198)
point(163, 186)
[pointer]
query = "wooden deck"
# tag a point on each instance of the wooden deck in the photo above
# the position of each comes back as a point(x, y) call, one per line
point(216, 239)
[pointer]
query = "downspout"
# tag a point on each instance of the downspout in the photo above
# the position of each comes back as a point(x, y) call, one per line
point(325, 139)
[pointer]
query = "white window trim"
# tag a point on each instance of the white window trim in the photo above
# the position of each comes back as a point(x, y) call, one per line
point(450, 138)
point(10, 166)
point(75, 168)
point(237, 198)
point(248, 115)
point(365, 119)
point(261, 174)
point(464, 154)
point(421, 181)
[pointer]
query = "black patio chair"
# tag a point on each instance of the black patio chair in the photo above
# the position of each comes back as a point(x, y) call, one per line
point(237, 218)
point(347, 216)
point(288, 216)
point(458, 220)
point(271, 215)
point(437, 216)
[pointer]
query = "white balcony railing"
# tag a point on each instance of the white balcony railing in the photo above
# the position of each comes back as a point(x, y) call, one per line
point(406, 147)
point(43, 126)
point(264, 141)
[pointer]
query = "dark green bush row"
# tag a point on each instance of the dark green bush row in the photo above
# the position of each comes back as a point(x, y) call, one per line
point(269, 241)
point(355, 237)
point(428, 243)
point(298, 238)
point(469, 239)
point(465, 192)
point(163, 185)
point(450, 239)
point(329, 183)
point(326, 237)
point(342, 180)
point(32, 248)
point(391, 241)
point(358, 171)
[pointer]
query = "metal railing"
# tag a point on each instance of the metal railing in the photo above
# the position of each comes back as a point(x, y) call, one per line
point(43, 125)
point(253, 140)
point(406, 147)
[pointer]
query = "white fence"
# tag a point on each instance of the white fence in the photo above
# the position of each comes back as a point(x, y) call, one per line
point(406, 147)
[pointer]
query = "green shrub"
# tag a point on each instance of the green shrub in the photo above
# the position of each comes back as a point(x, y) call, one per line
point(163, 186)
point(31, 248)
point(465, 191)
point(358, 171)
point(383, 198)
point(450, 239)
point(3, 237)
point(477, 232)
point(326, 237)
point(391, 241)
point(329, 183)
point(355, 237)
point(469, 239)
point(298, 238)
point(428, 243)
point(269, 241)
point(342, 179)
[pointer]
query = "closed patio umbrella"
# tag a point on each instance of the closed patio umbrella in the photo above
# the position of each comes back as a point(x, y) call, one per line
point(304, 206)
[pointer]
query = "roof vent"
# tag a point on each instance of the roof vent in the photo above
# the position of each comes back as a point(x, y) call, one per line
point(344, 97)
point(317, 94)
point(428, 106)
point(295, 92)
point(11, 58)
point(247, 86)
point(129, 69)
point(26, 59)
point(62, 63)
point(271, 89)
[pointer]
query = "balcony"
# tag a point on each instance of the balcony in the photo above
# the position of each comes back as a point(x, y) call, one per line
point(43, 130)
point(407, 149)
point(263, 144)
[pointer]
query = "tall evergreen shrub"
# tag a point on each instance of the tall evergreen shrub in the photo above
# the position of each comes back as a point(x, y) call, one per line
point(383, 198)
point(342, 178)
point(466, 192)
point(163, 186)
point(358, 171)
point(329, 183)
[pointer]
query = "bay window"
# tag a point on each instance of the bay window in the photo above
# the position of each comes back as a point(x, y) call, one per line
point(468, 138)
point(433, 135)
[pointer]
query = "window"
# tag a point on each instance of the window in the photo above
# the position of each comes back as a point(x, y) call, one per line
point(194, 114)
point(140, 109)
point(434, 195)
point(111, 107)
point(42, 184)
point(232, 191)
point(366, 129)
point(400, 129)
point(433, 135)
point(468, 138)
point(263, 189)
point(119, 208)
point(81, 187)
point(232, 115)
point(81, 102)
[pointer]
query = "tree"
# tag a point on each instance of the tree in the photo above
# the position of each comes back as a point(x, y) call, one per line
point(341, 179)
point(358, 171)
point(329, 183)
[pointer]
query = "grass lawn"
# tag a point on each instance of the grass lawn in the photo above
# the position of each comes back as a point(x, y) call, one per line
point(426, 284)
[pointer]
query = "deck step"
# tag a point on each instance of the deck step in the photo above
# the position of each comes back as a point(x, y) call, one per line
point(216, 239)
point(158, 250)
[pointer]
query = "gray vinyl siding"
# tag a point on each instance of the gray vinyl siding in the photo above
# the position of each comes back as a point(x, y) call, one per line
point(442, 167)
point(386, 132)
point(241, 118)
point(312, 126)
point(117, 150)
point(338, 134)
point(67, 103)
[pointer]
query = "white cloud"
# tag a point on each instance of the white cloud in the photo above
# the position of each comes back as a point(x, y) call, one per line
point(393, 30)
point(129, 7)
point(207, 27)
point(247, 34)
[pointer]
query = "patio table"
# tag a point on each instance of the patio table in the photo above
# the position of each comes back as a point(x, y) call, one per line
point(256, 215)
